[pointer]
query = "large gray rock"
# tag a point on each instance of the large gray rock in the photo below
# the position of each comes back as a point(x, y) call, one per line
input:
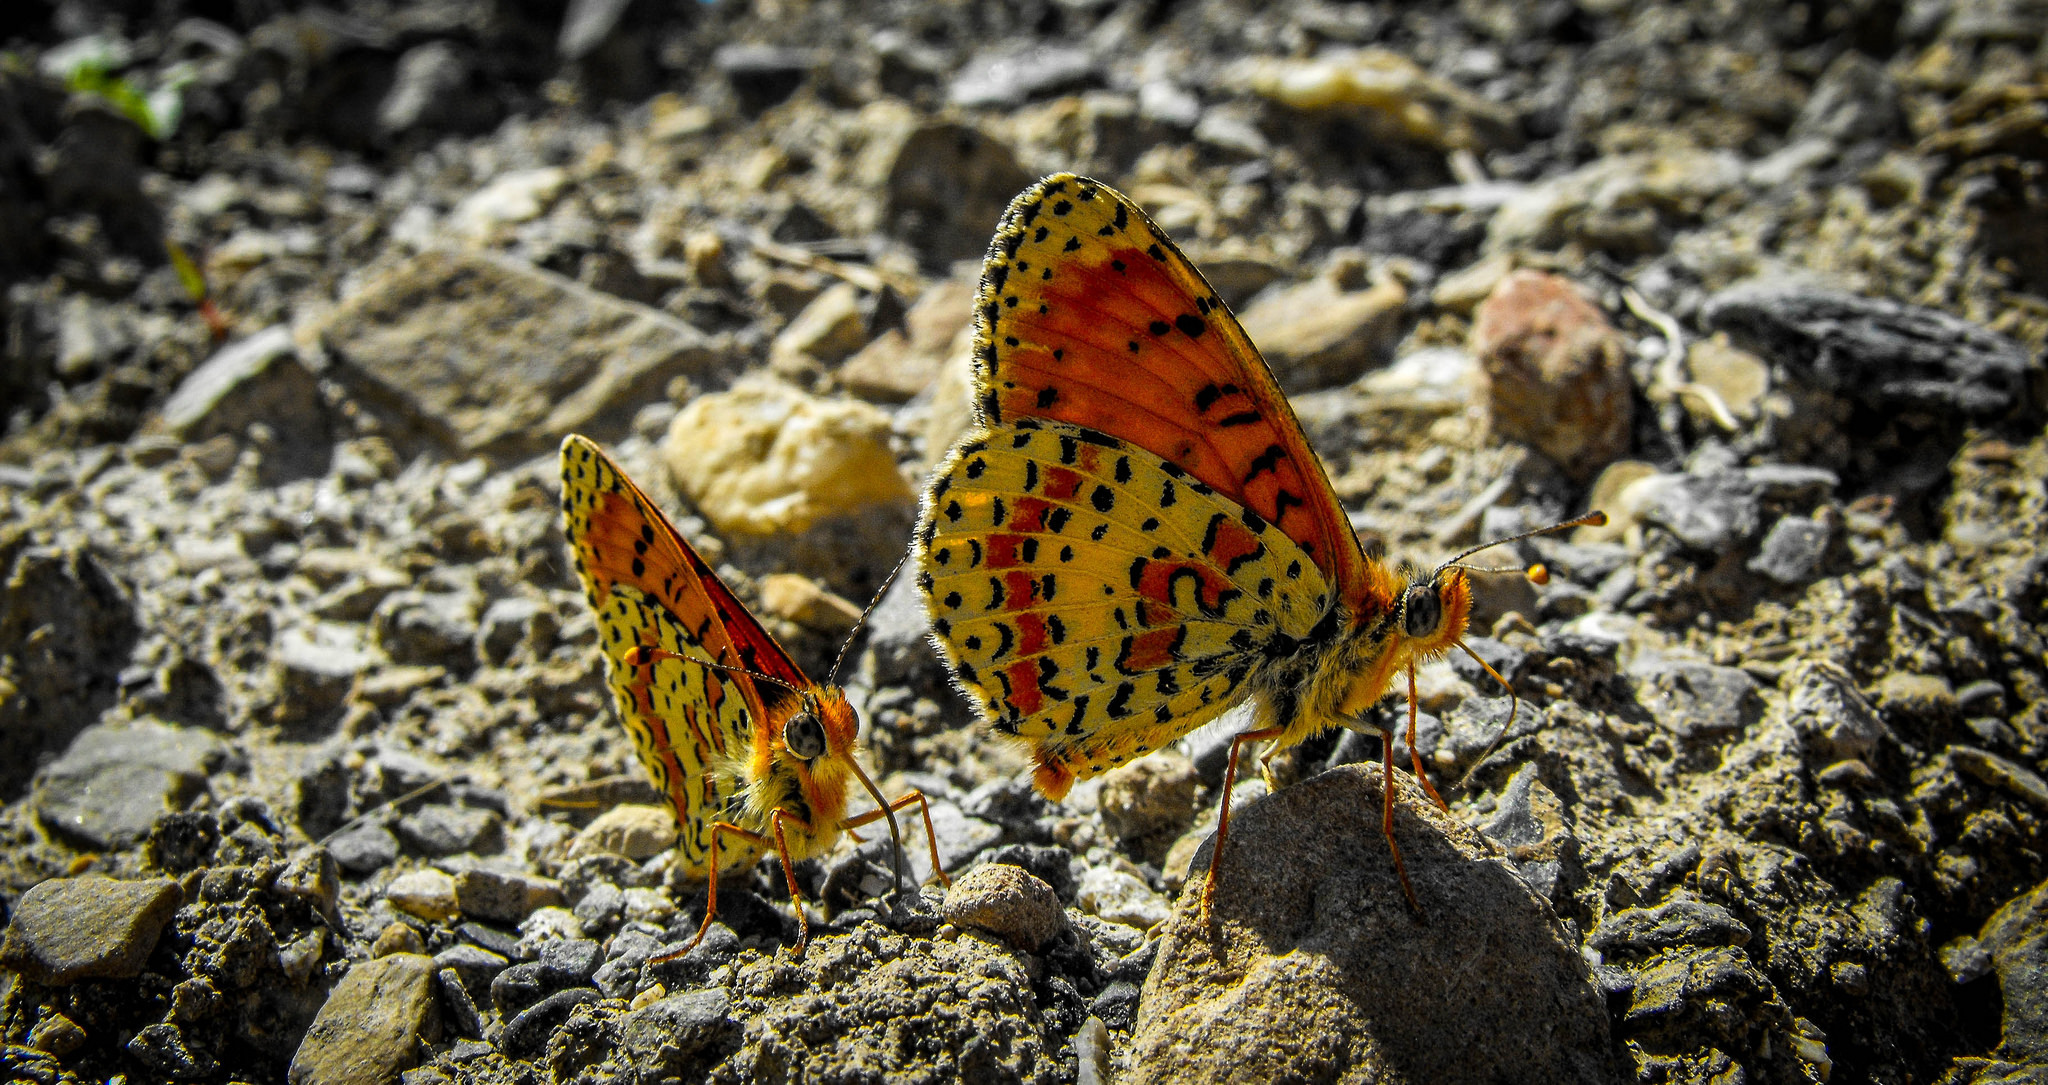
point(68, 929)
point(117, 779)
point(1884, 354)
point(255, 380)
point(1313, 968)
point(474, 354)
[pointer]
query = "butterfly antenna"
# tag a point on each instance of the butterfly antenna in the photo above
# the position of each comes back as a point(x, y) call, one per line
point(832, 679)
point(1514, 705)
point(645, 654)
point(1591, 519)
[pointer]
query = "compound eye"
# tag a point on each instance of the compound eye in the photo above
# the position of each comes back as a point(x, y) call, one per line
point(804, 736)
point(1421, 610)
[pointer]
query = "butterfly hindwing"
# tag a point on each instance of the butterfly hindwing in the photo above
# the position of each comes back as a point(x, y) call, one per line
point(690, 723)
point(1097, 601)
point(1089, 314)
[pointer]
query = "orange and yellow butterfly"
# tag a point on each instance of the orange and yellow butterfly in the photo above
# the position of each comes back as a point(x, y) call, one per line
point(1137, 537)
point(750, 753)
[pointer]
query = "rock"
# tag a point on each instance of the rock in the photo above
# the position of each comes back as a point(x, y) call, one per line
point(1387, 87)
point(457, 1003)
point(511, 622)
point(569, 962)
point(1641, 933)
point(316, 666)
point(1531, 824)
point(1883, 354)
point(946, 185)
point(1556, 373)
point(474, 965)
point(1620, 202)
point(526, 1034)
point(804, 601)
point(373, 1025)
point(1309, 924)
point(1121, 898)
point(900, 363)
point(396, 937)
point(1051, 865)
point(428, 628)
point(635, 830)
point(1855, 99)
point(66, 629)
point(1320, 335)
point(473, 354)
point(2016, 937)
point(861, 1002)
point(426, 893)
point(682, 1037)
point(431, 91)
point(256, 381)
point(504, 897)
point(1793, 550)
point(437, 829)
point(1710, 514)
point(1005, 901)
point(1738, 378)
point(364, 848)
point(1692, 699)
point(762, 76)
point(898, 640)
point(1010, 76)
point(509, 199)
point(117, 779)
point(68, 929)
point(1149, 803)
point(767, 459)
point(515, 988)
point(828, 330)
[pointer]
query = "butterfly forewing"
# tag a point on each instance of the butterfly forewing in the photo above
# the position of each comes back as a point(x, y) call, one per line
point(691, 724)
point(1097, 601)
point(1089, 314)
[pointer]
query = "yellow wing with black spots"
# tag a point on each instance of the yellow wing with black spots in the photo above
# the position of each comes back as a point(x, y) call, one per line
point(1096, 601)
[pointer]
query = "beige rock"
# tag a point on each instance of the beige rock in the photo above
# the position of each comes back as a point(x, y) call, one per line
point(952, 412)
point(396, 937)
point(1006, 901)
point(1121, 897)
point(827, 330)
point(1149, 803)
point(765, 458)
point(428, 894)
point(1318, 334)
point(373, 1026)
point(1409, 101)
point(1613, 202)
point(1461, 291)
point(1556, 372)
point(1615, 493)
point(808, 603)
point(1309, 924)
point(1740, 379)
point(635, 830)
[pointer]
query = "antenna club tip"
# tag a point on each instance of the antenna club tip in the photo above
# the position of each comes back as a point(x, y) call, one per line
point(1596, 518)
point(1538, 574)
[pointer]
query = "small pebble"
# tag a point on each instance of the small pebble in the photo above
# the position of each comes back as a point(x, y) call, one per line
point(1006, 901)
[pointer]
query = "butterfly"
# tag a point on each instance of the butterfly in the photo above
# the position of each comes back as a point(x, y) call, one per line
point(750, 752)
point(1137, 536)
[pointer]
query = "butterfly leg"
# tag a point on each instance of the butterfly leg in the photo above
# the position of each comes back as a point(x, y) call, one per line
point(931, 835)
point(1223, 815)
point(1387, 817)
point(796, 896)
point(711, 897)
point(1415, 755)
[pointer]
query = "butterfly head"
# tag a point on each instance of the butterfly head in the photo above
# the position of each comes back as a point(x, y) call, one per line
point(1434, 610)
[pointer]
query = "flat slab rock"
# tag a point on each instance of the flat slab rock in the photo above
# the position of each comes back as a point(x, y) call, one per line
point(482, 355)
point(1313, 967)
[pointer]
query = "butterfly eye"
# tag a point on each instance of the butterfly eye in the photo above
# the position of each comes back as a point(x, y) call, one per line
point(1421, 610)
point(803, 736)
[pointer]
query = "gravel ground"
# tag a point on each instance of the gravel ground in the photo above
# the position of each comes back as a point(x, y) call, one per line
point(308, 768)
